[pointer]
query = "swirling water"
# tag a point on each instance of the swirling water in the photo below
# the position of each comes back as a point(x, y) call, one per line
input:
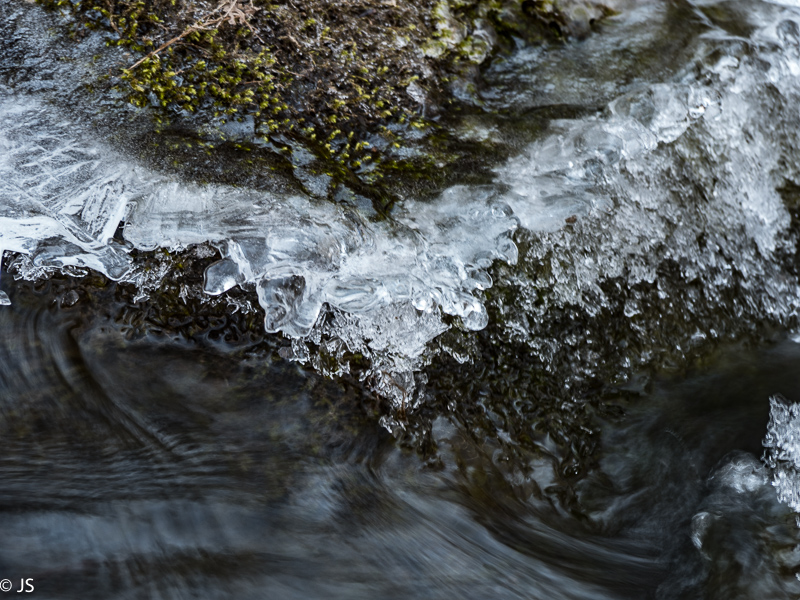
point(655, 216)
point(161, 468)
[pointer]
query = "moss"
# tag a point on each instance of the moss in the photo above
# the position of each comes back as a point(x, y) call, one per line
point(345, 82)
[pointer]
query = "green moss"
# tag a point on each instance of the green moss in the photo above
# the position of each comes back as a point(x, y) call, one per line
point(343, 81)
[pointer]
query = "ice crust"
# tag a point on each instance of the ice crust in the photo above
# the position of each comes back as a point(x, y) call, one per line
point(683, 172)
point(679, 220)
point(62, 197)
point(301, 255)
point(782, 449)
point(385, 285)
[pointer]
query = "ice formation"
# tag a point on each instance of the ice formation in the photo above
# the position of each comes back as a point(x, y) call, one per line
point(64, 197)
point(388, 281)
point(679, 223)
point(682, 173)
point(782, 449)
point(64, 194)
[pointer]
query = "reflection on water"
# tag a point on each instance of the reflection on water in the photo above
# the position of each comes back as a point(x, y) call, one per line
point(159, 468)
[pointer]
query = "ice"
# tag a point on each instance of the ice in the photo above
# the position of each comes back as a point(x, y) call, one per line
point(663, 210)
point(61, 198)
point(386, 285)
point(564, 175)
point(64, 196)
point(303, 255)
point(660, 208)
point(782, 449)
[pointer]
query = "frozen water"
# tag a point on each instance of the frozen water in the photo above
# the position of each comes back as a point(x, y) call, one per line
point(387, 281)
point(301, 254)
point(668, 190)
point(386, 284)
point(782, 449)
point(677, 228)
point(61, 197)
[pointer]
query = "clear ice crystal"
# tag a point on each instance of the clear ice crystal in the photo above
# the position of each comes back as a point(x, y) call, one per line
point(387, 285)
point(679, 175)
point(782, 449)
point(303, 255)
point(61, 198)
point(675, 186)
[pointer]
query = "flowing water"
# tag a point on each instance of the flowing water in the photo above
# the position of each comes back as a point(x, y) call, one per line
point(579, 380)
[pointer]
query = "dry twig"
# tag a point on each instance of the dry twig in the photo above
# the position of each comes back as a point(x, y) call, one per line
point(231, 11)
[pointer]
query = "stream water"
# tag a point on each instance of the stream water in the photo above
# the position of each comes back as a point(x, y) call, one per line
point(580, 380)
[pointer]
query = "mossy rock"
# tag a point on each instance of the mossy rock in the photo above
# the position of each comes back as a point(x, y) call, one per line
point(359, 86)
